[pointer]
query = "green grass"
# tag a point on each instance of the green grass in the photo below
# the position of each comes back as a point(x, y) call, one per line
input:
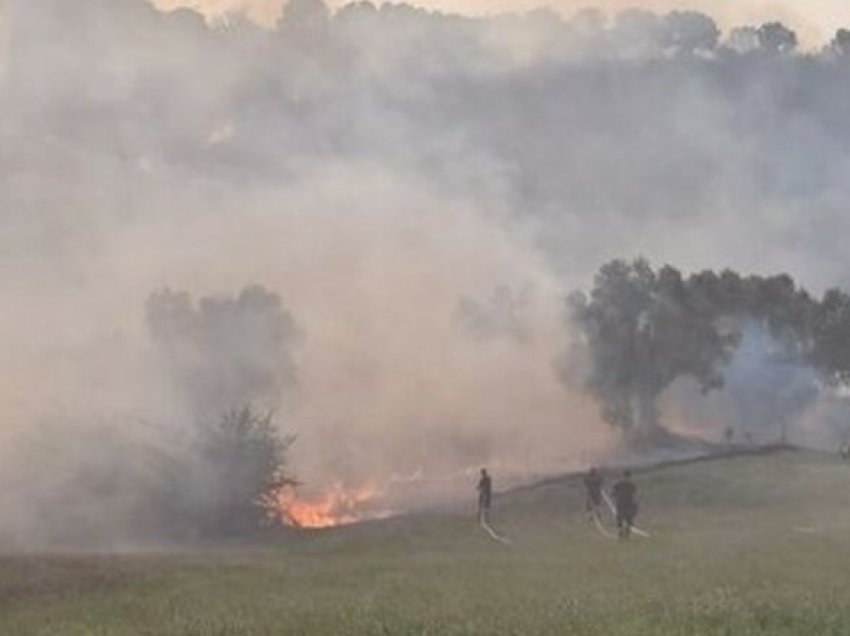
point(740, 546)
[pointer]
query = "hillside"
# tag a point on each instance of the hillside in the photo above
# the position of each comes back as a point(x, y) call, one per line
point(749, 544)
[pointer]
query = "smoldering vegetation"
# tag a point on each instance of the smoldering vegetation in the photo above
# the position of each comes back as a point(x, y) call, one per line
point(406, 198)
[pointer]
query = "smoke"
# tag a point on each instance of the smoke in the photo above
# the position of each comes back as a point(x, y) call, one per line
point(815, 23)
point(224, 353)
point(502, 313)
point(381, 171)
point(768, 397)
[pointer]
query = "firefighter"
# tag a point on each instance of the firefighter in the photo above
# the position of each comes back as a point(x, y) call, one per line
point(593, 485)
point(625, 502)
point(485, 496)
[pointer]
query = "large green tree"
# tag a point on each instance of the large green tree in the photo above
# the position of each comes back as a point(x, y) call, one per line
point(642, 329)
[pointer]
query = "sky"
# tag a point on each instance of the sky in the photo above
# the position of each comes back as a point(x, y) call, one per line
point(815, 20)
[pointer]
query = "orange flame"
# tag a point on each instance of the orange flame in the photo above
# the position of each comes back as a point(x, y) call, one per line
point(336, 507)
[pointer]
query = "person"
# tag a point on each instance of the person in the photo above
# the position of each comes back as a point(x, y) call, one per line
point(593, 484)
point(625, 502)
point(485, 496)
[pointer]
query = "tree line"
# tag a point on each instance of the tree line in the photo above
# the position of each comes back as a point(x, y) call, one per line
point(641, 329)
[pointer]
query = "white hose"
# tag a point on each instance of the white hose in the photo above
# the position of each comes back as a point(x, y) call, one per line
point(602, 529)
point(493, 534)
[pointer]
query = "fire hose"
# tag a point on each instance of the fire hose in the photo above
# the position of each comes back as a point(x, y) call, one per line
point(493, 534)
point(599, 526)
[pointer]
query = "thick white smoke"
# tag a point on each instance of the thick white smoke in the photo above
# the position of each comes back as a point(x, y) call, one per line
point(393, 176)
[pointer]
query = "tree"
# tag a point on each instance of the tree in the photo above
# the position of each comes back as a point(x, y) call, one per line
point(743, 40)
point(219, 354)
point(775, 37)
point(840, 44)
point(641, 330)
point(311, 17)
point(223, 352)
point(244, 469)
point(690, 32)
point(831, 337)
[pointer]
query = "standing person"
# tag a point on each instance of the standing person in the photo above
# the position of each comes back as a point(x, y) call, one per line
point(625, 492)
point(593, 484)
point(485, 495)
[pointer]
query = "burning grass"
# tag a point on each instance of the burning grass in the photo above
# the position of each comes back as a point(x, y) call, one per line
point(744, 546)
point(337, 506)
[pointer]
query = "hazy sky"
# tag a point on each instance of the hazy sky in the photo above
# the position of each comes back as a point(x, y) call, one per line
point(816, 20)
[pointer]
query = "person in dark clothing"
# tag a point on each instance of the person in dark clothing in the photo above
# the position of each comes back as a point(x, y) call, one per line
point(593, 484)
point(485, 496)
point(625, 501)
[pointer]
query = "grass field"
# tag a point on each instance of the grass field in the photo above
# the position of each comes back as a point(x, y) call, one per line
point(741, 545)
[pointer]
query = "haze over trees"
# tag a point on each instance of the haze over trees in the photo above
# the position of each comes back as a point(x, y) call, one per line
point(373, 164)
point(223, 353)
point(643, 329)
point(230, 358)
point(212, 470)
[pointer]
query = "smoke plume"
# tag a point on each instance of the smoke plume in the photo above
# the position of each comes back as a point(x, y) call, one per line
point(381, 170)
point(224, 353)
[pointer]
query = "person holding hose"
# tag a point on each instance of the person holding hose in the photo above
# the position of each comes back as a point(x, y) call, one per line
point(625, 502)
point(593, 485)
point(485, 496)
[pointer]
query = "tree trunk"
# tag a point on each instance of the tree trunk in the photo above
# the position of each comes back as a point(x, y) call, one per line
point(647, 430)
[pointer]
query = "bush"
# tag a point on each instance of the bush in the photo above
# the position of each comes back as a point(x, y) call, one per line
point(244, 468)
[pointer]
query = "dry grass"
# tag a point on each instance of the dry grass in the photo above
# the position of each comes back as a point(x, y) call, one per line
point(747, 545)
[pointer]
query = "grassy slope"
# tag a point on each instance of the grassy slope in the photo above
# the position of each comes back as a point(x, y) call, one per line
point(744, 545)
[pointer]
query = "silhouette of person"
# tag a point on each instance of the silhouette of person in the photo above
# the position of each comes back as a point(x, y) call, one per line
point(485, 496)
point(625, 501)
point(593, 485)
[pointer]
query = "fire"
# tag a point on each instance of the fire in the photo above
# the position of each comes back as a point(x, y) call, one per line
point(336, 507)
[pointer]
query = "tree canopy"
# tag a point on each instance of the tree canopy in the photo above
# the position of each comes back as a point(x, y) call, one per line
point(642, 329)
